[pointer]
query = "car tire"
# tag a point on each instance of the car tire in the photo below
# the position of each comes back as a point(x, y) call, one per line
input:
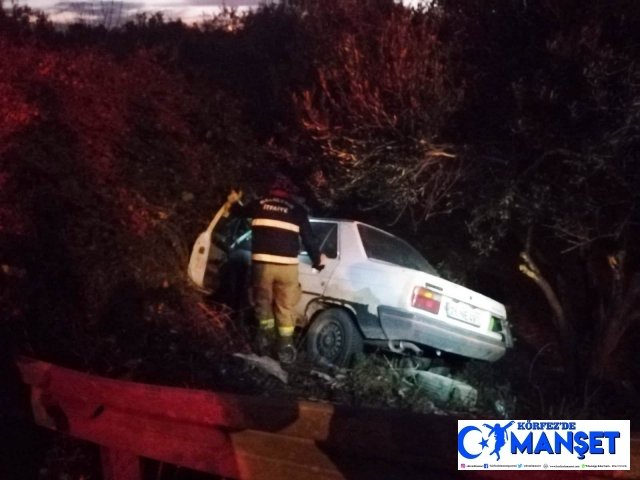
point(333, 338)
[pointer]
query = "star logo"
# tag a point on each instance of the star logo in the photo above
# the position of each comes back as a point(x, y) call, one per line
point(499, 433)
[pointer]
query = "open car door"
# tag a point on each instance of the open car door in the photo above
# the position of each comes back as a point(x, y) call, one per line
point(228, 265)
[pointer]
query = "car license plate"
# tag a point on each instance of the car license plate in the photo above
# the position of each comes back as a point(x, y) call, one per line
point(464, 313)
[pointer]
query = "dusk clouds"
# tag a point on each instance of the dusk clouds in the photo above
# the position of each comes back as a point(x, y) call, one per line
point(188, 10)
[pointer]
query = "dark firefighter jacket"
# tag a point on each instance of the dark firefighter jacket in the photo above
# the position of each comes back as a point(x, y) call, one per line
point(277, 223)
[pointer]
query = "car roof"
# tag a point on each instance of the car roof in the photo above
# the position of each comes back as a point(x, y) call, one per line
point(342, 220)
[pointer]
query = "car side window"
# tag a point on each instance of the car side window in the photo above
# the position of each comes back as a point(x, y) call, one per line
point(326, 234)
point(229, 232)
point(244, 242)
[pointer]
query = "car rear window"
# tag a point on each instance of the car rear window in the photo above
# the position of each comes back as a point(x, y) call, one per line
point(379, 245)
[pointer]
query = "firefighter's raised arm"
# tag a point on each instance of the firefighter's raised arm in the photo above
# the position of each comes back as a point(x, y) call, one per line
point(234, 206)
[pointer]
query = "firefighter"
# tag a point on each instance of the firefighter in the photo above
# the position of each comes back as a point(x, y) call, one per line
point(278, 222)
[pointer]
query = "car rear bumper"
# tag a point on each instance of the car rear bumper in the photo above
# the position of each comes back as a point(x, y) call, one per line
point(400, 324)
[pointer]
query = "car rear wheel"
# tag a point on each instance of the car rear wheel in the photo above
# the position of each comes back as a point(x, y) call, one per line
point(333, 338)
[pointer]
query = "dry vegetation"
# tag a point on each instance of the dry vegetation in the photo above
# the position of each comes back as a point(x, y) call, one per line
point(116, 146)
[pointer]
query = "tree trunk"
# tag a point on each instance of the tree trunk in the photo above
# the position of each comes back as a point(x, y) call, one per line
point(622, 313)
point(566, 334)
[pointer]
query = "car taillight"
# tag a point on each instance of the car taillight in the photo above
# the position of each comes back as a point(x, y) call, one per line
point(425, 299)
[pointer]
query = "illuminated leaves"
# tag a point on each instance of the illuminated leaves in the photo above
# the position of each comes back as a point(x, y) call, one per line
point(379, 108)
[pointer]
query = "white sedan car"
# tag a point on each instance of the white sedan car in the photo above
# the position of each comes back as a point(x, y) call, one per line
point(379, 290)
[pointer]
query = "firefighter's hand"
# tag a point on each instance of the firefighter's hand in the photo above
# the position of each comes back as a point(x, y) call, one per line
point(321, 264)
point(234, 197)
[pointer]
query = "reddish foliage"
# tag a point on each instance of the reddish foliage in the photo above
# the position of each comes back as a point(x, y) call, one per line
point(96, 100)
point(96, 155)
point(17, 112)
point(12, 220)
point(16, 115)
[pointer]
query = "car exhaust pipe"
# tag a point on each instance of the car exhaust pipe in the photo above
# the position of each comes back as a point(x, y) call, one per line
point(403, 346)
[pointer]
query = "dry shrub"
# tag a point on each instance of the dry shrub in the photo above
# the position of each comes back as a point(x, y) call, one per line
point(107, 177)
point(379, 107)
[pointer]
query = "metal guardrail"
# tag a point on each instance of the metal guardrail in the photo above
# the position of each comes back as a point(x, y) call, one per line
point(246, 437)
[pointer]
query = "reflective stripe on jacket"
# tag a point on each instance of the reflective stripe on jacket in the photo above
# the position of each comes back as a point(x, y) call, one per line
point(278, 222)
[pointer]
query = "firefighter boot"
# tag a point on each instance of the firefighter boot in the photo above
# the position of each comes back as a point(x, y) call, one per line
point(266, 342)
point(286, 350)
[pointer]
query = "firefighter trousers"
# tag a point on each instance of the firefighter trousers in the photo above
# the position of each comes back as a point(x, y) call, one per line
point(276, 292)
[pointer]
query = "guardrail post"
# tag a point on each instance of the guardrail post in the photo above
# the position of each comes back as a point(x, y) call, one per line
point(120, 464)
